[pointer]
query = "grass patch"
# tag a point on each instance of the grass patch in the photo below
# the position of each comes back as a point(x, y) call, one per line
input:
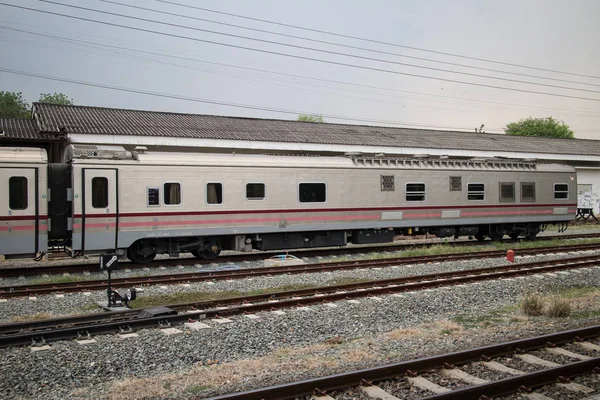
point(89, 307)
point(446, 248)
point(585, 314)
point(194, 297)
point(347, 281)
point(558, 308)
point(195, 389)
point(579, 302)
point(61, 279)
point(575, 292)
point(532, 304)
point(31, 317)
point(473, 321)
point(490, 318)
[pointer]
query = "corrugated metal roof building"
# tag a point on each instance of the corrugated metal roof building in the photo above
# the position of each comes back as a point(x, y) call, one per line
point(21, 132)
point(149, 128)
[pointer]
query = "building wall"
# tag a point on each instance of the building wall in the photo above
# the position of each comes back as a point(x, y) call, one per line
point(588, 185)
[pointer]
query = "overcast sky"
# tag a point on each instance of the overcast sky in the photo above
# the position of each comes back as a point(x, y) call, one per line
point(371, 88)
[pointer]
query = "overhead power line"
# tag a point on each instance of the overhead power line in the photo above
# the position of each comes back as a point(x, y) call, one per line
point(223, 103)
point(336, 53)
point(345, 45)
point(294, 76)
point(298, 56)
point(379, 41)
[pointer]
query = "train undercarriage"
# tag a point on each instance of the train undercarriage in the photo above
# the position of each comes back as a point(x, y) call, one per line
point(145, 250)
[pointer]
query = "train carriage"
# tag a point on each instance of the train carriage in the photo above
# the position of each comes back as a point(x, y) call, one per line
point(23, 201)
point(142, 204)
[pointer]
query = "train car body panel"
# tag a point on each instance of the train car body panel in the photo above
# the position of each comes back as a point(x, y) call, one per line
point(23, 201)
point(96, 208)
point(110, 199)
point(167, 195)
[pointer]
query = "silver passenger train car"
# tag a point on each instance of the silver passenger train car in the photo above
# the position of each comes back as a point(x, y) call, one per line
point(104, 198)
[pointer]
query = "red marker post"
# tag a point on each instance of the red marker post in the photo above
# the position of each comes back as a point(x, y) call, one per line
point(510, 256)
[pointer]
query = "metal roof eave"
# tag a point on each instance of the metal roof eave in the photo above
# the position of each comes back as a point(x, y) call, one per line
point(83, 138)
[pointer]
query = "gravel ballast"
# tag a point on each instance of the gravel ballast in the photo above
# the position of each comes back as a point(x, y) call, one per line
point(54, 374)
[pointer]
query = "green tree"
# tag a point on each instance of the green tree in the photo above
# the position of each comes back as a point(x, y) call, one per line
point(56, 98)
point(542, 127)
point(310, 118)
point(12, 105)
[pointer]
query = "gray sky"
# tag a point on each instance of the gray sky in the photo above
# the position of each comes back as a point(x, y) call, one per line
point(556, 35)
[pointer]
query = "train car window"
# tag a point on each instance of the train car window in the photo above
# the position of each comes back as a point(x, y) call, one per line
point(527, 191)
point(561, 191)
point(172, 193)
point(312, 193)
point(214, 193)
point(99, 192)
point(415, 192)
point(476, 191)
point(507, 191)
point(387, 183)
point(17, 193)
point(153, 196)
point(456, 183)
point(255, 191)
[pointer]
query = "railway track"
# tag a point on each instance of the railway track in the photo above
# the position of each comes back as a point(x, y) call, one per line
point(13, 272)
point(368, 383)
point(200, 276)
point(85, 326)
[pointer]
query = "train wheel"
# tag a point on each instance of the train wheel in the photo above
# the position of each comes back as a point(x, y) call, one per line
point(533, 230)
point(531, 235)
point(496, 233)
point(480, 236)
point(514, 235)
point(206, 254)
point(141, 253)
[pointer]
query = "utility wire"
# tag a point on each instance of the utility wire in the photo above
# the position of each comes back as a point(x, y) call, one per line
point(344, 45)
point(221, 103)
point(315, 49)
point(294, 76)
point(297, 56)
point(379, 41)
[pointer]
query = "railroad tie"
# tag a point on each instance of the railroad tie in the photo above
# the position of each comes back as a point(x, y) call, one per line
point(496, 366)
point(576, 387)
point(529, 359)
point(325, 397)
point(375, 392)
point(463, 376)
point(589, 346)
point(426, 384)
point(567, 353)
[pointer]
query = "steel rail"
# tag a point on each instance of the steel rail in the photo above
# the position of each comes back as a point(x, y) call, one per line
point(256, 303)
point(517, 383)
point(200, 276)
point(355, 378)
point(14, 272)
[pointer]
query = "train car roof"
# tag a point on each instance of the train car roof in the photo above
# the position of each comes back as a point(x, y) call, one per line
point(23, 155)
point(118, 155)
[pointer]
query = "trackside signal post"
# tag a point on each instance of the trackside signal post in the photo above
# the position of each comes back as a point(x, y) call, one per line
point(109, 263)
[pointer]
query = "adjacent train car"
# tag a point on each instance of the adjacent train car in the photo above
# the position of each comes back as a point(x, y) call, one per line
point(105, 198)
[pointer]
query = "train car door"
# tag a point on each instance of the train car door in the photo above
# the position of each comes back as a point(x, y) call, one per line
point(19, 215)
point(100, 209)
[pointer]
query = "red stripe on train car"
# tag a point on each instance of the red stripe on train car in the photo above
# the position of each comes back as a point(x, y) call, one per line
point(22, 217)
point(316, 210)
